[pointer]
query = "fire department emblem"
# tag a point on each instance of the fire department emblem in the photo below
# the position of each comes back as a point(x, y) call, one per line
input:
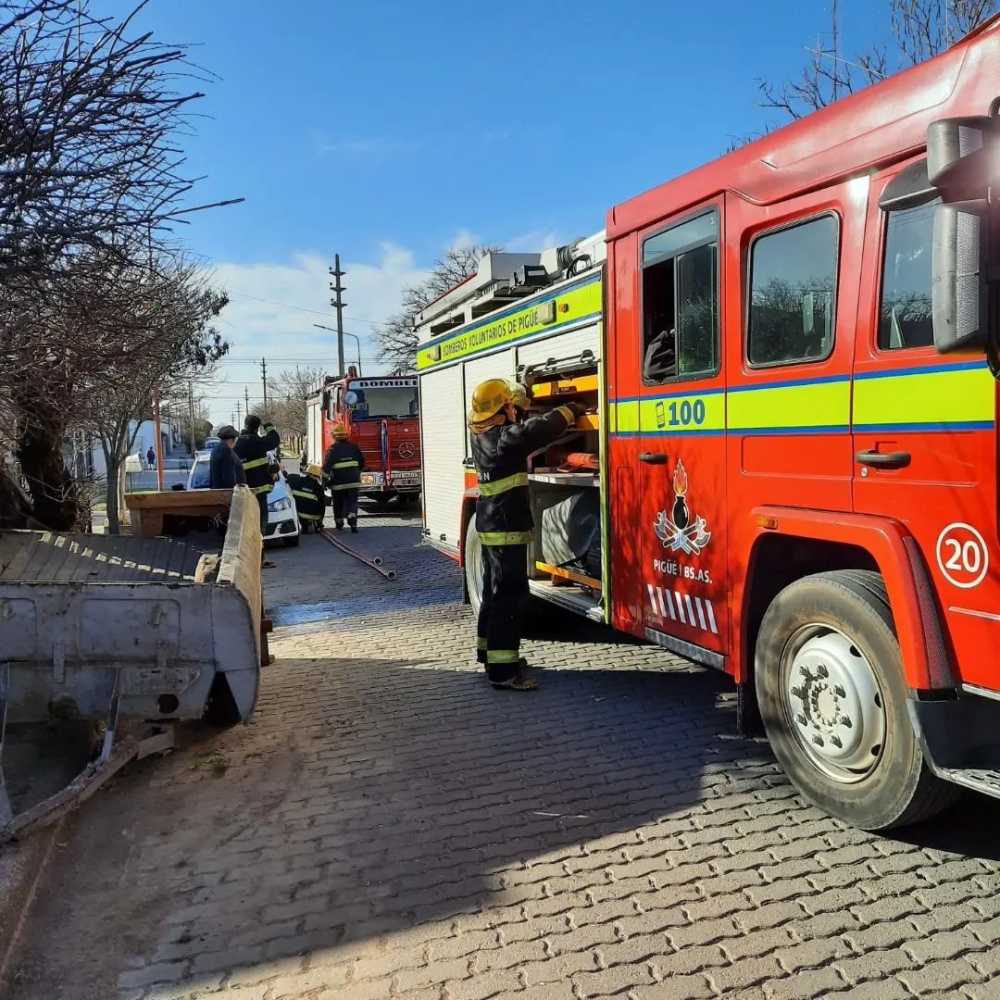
point(679, 531)
point(406, 449)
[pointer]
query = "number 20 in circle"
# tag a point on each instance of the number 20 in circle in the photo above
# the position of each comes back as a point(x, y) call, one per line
point(962, 555)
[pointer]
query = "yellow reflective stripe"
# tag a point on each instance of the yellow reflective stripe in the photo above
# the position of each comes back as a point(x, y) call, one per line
point(266, 488)
point(504, 537)
point(255, 463)
point(310, 517)
point(345, 465)
point(573, 306)
point(806, 406)
point(303, 494)
point(346, 486)
point(503, 485)
point(480, 644)
point(503, 656)
point(958, 396)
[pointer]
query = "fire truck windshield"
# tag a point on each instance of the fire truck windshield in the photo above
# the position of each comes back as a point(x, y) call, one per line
point(381, 401)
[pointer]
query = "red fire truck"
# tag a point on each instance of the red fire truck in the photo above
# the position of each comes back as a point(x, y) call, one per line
point(381, 416)
point(790, 467)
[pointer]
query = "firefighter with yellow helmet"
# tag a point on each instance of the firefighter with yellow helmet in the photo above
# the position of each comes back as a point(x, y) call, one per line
point(342, 466)
point(503, 437)
point(310, 500)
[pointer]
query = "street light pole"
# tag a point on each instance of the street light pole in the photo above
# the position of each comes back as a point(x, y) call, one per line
point(344, 333)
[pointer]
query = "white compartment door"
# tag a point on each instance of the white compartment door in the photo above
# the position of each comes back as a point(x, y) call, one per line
point(442, 430)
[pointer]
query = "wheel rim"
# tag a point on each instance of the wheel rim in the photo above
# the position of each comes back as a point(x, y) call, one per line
point(474, 568)
point(833, 703)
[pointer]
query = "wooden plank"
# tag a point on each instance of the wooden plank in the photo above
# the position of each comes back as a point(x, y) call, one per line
point(179, 501)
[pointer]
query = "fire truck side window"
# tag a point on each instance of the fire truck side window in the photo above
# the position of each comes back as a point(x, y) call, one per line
point(905, 314)
point(793, 281)
point(680, 301)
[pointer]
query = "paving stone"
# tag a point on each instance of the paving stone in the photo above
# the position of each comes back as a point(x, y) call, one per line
point(388, 826)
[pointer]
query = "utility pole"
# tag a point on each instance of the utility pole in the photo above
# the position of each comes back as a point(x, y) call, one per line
point(238, 414)
point(191, 418)
point(263, 378)
point(338, 303)
point(246, 396)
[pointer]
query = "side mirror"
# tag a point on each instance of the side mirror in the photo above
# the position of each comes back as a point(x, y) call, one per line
point(958, 286)
point(959, 163)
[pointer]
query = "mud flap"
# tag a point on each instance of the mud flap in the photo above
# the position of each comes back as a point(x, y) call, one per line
point(749, 724)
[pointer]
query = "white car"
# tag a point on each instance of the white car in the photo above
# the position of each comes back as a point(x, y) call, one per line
point(282, 515)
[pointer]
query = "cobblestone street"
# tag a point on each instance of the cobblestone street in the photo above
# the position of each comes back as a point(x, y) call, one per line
point(389, 826)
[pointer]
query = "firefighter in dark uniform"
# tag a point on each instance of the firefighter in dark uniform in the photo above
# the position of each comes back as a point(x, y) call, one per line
point(342, 465)
point(310, 500)
point(502, 440)
point(252, 448)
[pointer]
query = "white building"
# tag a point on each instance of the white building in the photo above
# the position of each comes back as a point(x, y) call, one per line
point(85, 457)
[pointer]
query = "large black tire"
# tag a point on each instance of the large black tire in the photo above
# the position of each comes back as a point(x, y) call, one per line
point(844, 618)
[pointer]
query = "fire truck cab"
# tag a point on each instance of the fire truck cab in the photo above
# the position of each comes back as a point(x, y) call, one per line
point(789, 470)
point(382, 418)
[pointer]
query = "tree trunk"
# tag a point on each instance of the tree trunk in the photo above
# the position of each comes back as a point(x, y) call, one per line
point(113, 498)
point(40, 440)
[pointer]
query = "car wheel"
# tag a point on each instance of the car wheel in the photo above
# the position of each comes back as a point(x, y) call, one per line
point(832, 695)
point(290, 543)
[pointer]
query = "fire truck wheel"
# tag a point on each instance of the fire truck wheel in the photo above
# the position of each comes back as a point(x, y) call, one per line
point(832, 694)
point(473, 566)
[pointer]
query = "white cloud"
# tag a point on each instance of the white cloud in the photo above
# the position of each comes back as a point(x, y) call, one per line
point(534, 241)
point(370, 147)
point(273, 307)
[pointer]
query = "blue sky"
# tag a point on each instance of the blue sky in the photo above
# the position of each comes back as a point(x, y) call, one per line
point(386, 130)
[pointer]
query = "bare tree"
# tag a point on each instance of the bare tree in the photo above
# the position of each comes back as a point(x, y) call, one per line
point(89, 115)
point(160, 318)
point(920, 29)
point(287, 393)
point(396, 338)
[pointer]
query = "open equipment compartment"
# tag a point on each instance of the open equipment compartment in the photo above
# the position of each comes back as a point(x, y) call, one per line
point(566, 555)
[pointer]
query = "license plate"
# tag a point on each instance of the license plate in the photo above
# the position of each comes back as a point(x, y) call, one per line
point(406, 475)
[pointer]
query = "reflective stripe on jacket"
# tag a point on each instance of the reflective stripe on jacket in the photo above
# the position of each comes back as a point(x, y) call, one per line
point(503, 510)
point(252, 450)
point(343, 464)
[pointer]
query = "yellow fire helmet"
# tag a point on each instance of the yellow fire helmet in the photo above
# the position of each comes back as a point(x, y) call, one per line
point(489, 398)
point(519, 396)
point(315, 471)
point(339, 432)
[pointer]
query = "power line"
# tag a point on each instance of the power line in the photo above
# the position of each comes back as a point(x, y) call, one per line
point(315, 312)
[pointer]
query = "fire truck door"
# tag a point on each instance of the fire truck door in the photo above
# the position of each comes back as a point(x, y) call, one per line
point(681, 418)
point(924, 437)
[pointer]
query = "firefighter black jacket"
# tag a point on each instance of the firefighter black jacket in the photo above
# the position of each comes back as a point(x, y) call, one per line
point(503, 510)
point(252, 450)
point(310, 501)
point(342, 464)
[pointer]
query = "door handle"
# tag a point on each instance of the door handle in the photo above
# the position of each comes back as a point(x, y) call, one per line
point(884, 460)
point(653, 458)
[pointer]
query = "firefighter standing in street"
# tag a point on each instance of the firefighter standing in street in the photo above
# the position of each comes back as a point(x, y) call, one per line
point(310, 500)
point(342, 465)
point(252, 448)
point(502, 440)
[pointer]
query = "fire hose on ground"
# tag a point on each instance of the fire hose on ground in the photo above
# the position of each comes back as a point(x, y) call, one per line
point(374, 561)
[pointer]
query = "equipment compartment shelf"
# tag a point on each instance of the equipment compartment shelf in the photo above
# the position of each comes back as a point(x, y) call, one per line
point(565, 478)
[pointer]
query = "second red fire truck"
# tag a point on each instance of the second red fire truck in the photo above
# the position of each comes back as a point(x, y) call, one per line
point(382, 419)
